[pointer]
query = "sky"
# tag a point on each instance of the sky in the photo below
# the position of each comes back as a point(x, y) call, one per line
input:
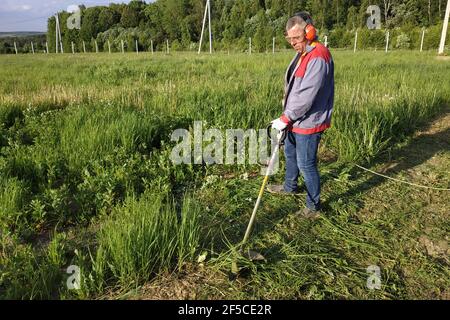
point(32, 15)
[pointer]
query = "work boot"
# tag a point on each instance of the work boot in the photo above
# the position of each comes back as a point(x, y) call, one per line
point(308, 213)
point(279, 189)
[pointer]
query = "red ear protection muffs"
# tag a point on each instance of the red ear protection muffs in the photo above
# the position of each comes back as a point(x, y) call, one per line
point(310, 31)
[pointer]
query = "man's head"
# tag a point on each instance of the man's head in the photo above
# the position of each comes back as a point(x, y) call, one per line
point(300, 31)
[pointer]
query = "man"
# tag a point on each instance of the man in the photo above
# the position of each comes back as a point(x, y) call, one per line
point(308, 104)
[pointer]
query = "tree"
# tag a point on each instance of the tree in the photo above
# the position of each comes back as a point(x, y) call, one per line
point(51, 28)
point(130, 18)
point(316, 8)
point(337, 8)
point(352, 17)
point(387, 8)
point(108, 18)
point(405, 13)
point(89, 23)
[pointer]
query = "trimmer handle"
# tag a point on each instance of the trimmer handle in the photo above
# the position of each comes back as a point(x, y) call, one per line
point(283, 135)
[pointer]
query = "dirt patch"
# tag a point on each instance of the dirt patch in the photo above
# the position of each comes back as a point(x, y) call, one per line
point(435, 248)
point(195, 282)
point(326, 155)
point(439, 125)
point(443, 58)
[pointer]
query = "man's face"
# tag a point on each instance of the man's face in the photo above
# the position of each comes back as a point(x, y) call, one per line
point(296, 37)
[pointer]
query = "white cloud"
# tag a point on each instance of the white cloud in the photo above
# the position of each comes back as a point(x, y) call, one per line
point(14, 6)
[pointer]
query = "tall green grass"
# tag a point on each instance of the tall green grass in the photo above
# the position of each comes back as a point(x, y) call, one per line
point(141, 238)
point(28, 273)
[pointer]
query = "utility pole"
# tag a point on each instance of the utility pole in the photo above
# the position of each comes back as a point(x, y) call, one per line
point(58, 32)
point(421, 42)
point(387, 41)
point(207, 13)
point(444, 28)
point(210, 34)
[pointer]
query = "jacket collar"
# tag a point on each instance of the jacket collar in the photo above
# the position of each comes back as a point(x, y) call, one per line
point(309, 47)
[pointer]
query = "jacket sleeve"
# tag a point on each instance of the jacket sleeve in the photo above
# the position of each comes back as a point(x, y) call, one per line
point(302, 96)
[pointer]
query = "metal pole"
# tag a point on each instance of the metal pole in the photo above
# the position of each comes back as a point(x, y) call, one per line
point(203, 28)
point(421, 42)
point(32, 47)
point(56, 33)
point(59, 33)
point(444, 29)
point(210, 32)
point(356, 39)
point(73, 50)
point(387, 41)
point(261, 192)
point(84, 47)
point(15, 47)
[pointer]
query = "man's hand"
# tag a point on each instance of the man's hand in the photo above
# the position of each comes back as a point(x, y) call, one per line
point(279, 125)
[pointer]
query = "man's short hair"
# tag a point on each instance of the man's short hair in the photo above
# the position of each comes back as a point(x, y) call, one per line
point(301, 19)
point(295, 21)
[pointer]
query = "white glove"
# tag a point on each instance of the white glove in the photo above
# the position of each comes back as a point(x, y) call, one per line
point(279, 125)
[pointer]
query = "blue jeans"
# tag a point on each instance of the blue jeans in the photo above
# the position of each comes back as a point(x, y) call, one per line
point(301, 156)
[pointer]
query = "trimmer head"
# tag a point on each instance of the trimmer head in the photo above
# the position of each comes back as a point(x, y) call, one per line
point(251, 256)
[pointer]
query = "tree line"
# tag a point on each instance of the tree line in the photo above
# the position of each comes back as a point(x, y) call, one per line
point(234, 21)
point(23, 44)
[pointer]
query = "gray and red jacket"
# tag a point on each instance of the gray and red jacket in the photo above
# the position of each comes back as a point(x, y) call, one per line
point(309, 91)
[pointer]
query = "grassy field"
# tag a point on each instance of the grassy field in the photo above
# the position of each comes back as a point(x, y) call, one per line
point(86, 179)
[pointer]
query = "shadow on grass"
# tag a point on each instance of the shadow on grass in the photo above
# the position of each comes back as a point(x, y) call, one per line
point(417, 151)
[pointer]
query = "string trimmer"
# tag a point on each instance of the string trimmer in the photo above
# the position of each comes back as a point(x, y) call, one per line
point(250, 254)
